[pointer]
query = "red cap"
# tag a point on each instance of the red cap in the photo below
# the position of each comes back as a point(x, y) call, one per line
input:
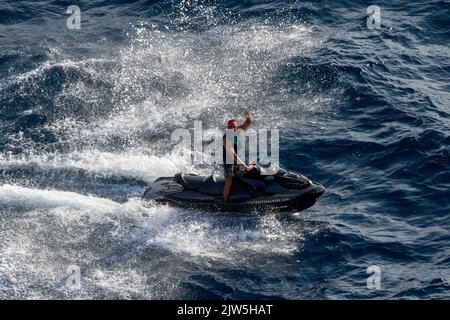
point(232, 123)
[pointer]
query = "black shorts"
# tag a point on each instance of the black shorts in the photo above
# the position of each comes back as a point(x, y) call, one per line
point(229, 170)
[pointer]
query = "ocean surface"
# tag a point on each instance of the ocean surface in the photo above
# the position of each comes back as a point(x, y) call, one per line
point(86, 117)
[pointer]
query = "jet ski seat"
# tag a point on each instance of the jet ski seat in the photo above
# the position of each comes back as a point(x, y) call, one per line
point(269, 170)
point(212, 185)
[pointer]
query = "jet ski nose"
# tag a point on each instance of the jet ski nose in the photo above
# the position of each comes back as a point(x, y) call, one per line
point(319, 190)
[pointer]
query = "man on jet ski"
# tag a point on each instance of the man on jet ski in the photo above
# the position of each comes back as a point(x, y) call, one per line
point(231, 160)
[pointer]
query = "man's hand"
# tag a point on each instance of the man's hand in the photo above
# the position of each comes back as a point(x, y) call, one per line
point(248, 167)
point(248, 121)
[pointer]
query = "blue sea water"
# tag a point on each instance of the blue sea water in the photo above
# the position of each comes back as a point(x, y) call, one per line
point(86, 118)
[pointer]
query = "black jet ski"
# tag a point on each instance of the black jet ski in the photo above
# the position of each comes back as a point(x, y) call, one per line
point(262, 188)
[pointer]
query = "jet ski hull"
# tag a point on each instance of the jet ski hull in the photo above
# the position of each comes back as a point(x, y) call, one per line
point(263, 206)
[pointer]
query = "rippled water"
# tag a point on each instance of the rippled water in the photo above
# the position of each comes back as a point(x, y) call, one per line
point(85, 123)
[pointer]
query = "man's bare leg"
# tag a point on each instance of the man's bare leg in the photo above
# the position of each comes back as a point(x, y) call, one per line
point(227, 188)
